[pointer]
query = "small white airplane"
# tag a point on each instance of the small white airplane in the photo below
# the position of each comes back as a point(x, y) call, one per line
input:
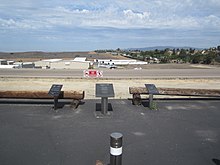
point(110, 66)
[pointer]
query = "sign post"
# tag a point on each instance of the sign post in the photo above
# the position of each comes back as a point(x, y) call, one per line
point(92, 73)
point(55, 92)
point(151, 90)
point(104, 91)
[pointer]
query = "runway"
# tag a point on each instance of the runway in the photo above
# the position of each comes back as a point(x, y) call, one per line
point(115, 73)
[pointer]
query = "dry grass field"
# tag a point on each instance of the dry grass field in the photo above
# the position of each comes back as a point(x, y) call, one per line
point(88, 85)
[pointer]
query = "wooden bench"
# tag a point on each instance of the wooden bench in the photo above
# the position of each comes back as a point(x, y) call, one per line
point(76, 96)
point(138, 91)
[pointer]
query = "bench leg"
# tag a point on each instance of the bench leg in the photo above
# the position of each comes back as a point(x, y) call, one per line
point(74, 104)
point(136, 100)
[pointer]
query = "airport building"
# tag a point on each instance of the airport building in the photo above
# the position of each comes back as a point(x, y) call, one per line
point(3, 62)
point(119, 62)
point(77, 63)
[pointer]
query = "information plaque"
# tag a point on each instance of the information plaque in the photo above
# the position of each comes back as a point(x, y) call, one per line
point(151, 89)
point(104, 90)
point(55, 90)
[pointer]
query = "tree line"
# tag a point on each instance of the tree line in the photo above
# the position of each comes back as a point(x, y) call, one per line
point(181, 56)
point(194, 56)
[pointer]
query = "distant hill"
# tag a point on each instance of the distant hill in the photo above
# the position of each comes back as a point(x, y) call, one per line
point(37, 55)
point(41, 55)
point(162, 48)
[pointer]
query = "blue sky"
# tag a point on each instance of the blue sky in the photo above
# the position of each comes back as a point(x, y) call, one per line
point(82, 25)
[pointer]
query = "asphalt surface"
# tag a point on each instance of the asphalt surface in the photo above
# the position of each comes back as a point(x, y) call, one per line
point(181, 132)
point(115, 73)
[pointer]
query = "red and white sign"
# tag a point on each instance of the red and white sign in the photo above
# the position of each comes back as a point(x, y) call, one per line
point(92, 73)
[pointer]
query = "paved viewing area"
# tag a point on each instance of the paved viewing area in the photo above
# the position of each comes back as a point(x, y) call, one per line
point(110, 82)
point(181, 132)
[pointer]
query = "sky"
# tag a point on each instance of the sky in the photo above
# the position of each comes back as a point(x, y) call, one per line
point(86, 25)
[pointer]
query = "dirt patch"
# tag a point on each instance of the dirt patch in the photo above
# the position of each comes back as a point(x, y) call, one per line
point(121, 87)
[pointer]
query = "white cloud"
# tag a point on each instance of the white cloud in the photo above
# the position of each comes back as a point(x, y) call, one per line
point(133, 15)
point(22, 24)
point(212, 20)
point(61, 9)
point(117, 14)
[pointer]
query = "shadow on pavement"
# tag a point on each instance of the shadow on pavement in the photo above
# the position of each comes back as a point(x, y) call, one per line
point(216, 161)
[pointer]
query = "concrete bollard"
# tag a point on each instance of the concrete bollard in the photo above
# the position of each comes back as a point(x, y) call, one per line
point(116, 149)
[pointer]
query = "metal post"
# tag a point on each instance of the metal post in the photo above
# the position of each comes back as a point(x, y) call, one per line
point(55, 103)
point(104, 105)
point(150, 101)
point(116, 149)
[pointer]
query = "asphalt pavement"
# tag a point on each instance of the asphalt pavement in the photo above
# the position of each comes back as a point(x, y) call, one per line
point(181, 132)
point(115, 73)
